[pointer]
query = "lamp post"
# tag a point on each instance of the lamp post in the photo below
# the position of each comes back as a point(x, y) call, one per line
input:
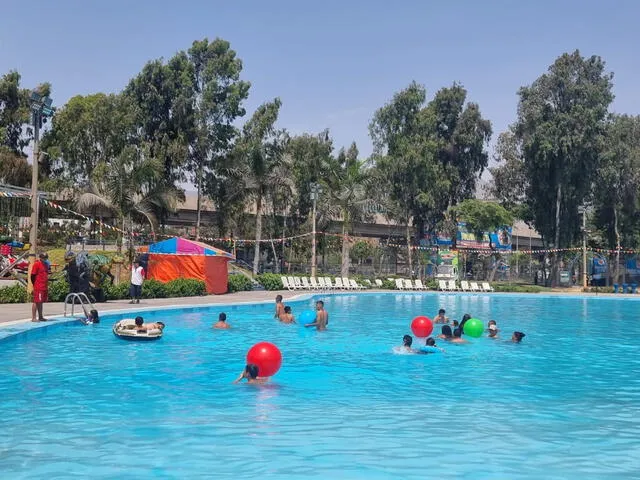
point(40, 108)
point(583, 211)
point(315, 193)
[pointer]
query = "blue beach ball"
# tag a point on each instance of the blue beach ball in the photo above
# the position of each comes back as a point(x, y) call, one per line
point(308, 316)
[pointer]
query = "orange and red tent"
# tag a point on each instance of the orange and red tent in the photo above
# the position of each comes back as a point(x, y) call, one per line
point(183, 258)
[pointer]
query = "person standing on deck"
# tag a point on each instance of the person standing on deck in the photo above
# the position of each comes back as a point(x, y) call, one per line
point(39, 280)
point(137, 279)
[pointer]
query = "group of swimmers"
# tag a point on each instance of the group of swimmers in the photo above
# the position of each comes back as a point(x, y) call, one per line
point(284, 314)
point(454, 335)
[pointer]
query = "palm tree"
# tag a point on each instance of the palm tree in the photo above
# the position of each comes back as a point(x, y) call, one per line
point(260, 156)
point(131, 187)
point(347, 184)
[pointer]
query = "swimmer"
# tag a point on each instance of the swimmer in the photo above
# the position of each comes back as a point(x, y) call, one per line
point(287, 316)
point(441, 317)
point(250, 372)
point(407, 341)
point(517, 337)
point(432, 343)
point(457, 336)
point(493, 331)
point(464, 320)
point(279, 307)
point(322, 317)
point(456, 323)
point(141, 326)
point(446, 333)
point(222, 322)
point(90, 318)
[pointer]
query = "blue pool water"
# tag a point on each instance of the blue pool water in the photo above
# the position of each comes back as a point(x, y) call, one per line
point(79, 403)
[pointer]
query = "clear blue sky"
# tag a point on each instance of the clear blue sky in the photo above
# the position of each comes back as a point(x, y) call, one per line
point(333, 63)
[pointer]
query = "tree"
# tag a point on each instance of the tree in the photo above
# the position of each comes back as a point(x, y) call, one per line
point(347, 184)
point(86, 132)
point(14, 169)
point(561, 122)
point(481, 217)
point(218, 96)
point(260, 157)
point(131, 188)
point(14, 114)
point(616, 196)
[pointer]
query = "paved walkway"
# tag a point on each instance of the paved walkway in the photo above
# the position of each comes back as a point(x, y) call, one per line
point(19, 312)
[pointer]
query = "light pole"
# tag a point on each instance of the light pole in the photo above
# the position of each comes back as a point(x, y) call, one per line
point(583, 210)
point(40, 108)
point(315, 193)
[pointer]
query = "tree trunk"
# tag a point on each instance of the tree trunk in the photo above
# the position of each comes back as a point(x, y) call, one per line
point(344, 270)
point(256, 253)
point(199, 201)
point(617, 233)
point(494, 269)
point(276, 262)
point(555, 275)
point(409, 259)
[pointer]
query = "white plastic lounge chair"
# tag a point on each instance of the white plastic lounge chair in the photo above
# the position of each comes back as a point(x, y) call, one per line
point(464, 286)
point(474, 287)
point(442, 285)
point(305, 283)
point(452, 286)
point(298, 283)
point(486, 287)
point(399, 284)
point(322, 284)
point(285, 283)
point(292, 283)
point(355, 285)
point(378, 282)
point(419, 285)
point(328, 284)
point(314, 283)
point(346, 283)
point(339, 284)
point(408, 284)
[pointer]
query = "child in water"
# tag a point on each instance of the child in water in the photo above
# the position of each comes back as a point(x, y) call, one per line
point(493, 329)
point(517, 337)
point(250, 372)
point(287, 316)
point(457, 336)
point(222, 322)
point(90, 318)
point(446, 333)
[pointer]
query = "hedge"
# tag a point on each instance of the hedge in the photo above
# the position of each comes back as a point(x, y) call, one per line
point(239, 283)
point(270, 281)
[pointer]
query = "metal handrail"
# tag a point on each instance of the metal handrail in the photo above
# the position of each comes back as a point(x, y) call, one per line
point(83, 300)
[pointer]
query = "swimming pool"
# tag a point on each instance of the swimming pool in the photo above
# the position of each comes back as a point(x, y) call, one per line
point(78, 402)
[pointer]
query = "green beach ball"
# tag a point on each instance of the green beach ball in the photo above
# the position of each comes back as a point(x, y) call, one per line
point(473, 327)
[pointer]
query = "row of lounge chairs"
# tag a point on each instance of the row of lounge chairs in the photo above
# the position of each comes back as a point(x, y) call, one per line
point(321, 283)
point(451, 286)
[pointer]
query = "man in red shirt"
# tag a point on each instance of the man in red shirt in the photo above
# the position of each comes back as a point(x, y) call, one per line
point(39, 280)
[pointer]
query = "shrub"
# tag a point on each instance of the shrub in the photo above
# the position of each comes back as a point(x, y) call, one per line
point(13, 294)
point(185, 287)
point(117, 292)
point(154, 289)
point(58, 290)
point(431, 284)
point(239, 283)
point(506, 287)
point(388, 284)
point(270, 281)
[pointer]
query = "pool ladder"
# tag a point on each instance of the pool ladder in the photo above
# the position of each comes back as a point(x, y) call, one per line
point(82, 297)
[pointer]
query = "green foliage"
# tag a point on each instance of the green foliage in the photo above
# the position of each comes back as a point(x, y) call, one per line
point(514, 288)
point(388, 284)
point(155, 289)
point(431, 284)
point(13, 294)
point(481, 216)
point(239, 283)
point(117, 292)
point(14, 114)
point(185, 287)
point(270, 281)
point(58, 290)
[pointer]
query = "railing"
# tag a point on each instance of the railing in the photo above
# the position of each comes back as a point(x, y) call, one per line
point(82, 297)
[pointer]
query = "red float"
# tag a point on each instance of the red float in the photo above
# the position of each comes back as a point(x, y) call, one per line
point(267, 357)
point(422, 326)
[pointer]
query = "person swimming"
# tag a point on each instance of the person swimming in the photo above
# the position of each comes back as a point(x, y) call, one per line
point(287, 316)
point(279, 307)
point(464, 320)
point(141, 326)
point(457, 336)
point(322, 317)
point(456, 323)
point(446, 333)
point(492, 327)
point(250, 372)
point(222, 322)
point(407, 341)
point(432, 343)
point(441, 317)
point(517, 337)
point(90, 318)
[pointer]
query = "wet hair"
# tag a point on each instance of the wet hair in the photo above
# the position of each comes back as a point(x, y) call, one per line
point(287, 309)
point(139, 321)
point(252, 370)
point(446, 331)
point(456, 323)
point(491, 322)
point(161, 324)
point(95, 318)
point(441, 311)
point(222, 317)
point(464, 319)
point(430, 342)
point(519, 335)
point(407, 340)
point(320, 302)
point(457, 332)
point(278, 298)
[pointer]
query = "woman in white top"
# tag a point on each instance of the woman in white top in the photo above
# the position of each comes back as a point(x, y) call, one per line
point(137, 278)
